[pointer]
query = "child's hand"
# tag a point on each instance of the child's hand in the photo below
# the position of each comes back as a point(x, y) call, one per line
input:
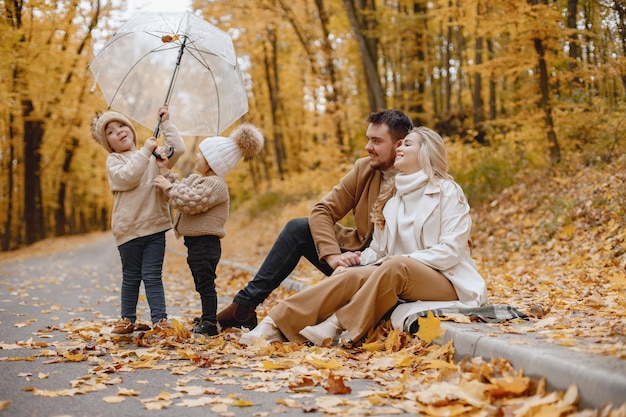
point(162, 182)
point(164, 113)
point(162, 162)
point(151, 144)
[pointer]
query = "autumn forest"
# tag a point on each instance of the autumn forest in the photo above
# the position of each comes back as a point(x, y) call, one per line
point(515, 86)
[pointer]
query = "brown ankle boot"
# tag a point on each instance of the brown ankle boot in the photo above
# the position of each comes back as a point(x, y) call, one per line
point(237, 315)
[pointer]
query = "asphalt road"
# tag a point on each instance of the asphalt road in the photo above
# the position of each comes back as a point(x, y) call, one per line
point(41, 293)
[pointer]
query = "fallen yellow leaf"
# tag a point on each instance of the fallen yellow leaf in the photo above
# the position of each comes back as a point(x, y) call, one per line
point(330, 364)
point(429, 328)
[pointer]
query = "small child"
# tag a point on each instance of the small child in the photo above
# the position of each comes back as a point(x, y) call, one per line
point(203, 202)
point(141, 214)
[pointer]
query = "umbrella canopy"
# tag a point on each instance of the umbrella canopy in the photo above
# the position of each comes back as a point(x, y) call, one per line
point(177, 59)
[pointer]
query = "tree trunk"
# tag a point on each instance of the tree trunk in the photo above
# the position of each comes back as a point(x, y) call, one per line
point(416, 106)
point(13, 12)
point(620, 9)
point(477, 99)
point(574, 50)
point(493, 104)
point(555, 153)
point(447, 93)
point(61, 224)
point(368, 52)
point(332, 95)
point(33, 208)
point(271, 72)
point(8, 226)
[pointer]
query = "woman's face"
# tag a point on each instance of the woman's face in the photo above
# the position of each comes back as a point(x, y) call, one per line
point(407, 154)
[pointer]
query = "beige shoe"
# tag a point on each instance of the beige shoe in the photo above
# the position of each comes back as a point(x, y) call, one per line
point(328, 329)
point(162, 324)
point(266, 329)
point(141, 327)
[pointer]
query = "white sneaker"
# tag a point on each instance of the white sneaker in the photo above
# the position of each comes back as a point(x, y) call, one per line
point(328, 329)
point(266, 330)
point(344, 339)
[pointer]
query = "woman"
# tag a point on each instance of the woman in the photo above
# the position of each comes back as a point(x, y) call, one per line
point(419, 251)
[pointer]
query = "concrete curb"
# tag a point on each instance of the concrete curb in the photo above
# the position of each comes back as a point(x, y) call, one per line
point(600, 380)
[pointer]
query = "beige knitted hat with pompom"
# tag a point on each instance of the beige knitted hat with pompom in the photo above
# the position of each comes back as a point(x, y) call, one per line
point(223, 153)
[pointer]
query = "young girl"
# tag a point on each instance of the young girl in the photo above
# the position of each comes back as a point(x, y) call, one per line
point(419, 251)
point(140, 215)
point(203, 202)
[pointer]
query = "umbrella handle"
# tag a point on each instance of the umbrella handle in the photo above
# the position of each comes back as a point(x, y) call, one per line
point(169, 154)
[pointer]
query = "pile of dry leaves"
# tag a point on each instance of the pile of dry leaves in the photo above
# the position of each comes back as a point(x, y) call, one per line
point(411, 374)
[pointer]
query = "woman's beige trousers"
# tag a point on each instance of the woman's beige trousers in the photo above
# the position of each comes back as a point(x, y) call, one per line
point(360, 296)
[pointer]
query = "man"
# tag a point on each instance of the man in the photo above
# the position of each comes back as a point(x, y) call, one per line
point(320, 238)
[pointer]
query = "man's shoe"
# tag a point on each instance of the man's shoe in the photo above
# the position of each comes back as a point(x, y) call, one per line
point(328, 329)
point(237, 315)
point(207, 328)
point(267, 330)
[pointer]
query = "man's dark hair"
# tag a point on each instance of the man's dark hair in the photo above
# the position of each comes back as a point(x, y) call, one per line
point(399, 124)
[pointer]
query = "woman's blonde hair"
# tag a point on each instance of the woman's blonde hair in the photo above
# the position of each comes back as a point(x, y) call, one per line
point(433, 160)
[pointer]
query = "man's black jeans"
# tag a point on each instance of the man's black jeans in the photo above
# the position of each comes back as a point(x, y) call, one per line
point(293, 242)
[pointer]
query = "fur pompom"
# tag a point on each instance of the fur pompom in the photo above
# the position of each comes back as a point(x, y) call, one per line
point(249, 140)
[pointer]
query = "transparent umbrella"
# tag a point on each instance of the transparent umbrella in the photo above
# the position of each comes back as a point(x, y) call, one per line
point(177, 59)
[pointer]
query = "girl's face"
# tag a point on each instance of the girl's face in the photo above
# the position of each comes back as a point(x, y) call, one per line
point(119, 136)
point(202, 166)
point(407, 154)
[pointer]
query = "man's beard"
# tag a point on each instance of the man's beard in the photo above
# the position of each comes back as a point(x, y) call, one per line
point(385, 165)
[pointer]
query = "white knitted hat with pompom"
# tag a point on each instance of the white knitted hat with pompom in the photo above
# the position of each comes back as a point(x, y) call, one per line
point(223, 153)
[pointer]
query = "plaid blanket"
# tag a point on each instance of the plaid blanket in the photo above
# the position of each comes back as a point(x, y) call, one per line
point(491, 313)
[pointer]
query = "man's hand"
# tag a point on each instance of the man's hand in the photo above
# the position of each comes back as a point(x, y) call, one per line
point(345, 259)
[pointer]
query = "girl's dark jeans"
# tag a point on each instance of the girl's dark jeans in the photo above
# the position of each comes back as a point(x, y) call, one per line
point(142, 260)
